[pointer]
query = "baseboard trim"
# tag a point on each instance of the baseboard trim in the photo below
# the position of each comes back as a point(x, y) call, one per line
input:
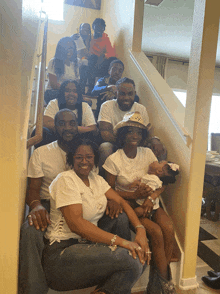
point(187, 284)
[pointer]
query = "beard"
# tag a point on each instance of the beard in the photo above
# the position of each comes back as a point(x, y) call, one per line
point(61, 139)
point(125, 107)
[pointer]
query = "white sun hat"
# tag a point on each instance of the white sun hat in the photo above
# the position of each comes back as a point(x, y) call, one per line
point(131, 119)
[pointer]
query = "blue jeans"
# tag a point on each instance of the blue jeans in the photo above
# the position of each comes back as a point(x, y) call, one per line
point(31, 278)
point(69, 265)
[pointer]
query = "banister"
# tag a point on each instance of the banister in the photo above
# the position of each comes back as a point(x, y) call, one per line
point(136, 57)
point(40, 107)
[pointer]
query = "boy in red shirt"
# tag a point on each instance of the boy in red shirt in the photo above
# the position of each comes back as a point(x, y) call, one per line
point(101, 53)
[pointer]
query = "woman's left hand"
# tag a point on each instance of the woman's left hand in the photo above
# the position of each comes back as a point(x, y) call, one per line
point(141, 240)
point(143, 191)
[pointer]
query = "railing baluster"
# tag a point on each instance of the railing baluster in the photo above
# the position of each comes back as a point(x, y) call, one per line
point(40, 107)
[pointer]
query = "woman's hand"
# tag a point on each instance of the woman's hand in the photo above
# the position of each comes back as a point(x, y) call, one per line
point(39, 217)
point(135, 184)
point(142, 241)
point(143, 191)
point(135, 250)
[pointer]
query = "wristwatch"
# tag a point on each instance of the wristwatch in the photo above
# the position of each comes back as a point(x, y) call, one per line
point(152, 200)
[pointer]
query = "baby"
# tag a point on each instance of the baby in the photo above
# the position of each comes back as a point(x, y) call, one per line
point(159, 173)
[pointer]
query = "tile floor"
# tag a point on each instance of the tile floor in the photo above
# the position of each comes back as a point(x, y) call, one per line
point(213, 245)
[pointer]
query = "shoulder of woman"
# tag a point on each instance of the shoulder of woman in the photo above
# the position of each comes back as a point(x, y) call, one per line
point(51, 60)
point(50, 63)
point(115, 155)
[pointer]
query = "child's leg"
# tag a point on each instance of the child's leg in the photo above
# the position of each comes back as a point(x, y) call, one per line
point(156, 236)
point(165, 223)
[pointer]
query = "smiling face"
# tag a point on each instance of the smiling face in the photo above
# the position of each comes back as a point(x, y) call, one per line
point(66, 126)
point(71, 94)
point(125, 96)
point(116, 72)
point(85, 30)
point(70, 47)
point(83, 161)
point(98, 30)
point(133, 136)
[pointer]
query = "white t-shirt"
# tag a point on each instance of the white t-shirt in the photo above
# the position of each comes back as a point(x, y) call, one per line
point(47, 161)
point(79, 43)
point(68, 189)
point(155, 183)
point(127, 170)
point(69, 72)
point(87, 114)
point(111, 113)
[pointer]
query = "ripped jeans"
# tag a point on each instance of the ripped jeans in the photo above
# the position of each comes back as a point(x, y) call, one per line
point(70, 265)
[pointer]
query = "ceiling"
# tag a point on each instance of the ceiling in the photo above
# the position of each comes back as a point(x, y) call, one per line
point(168, 29)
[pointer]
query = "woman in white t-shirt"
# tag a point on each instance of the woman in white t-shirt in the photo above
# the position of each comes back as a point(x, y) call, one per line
point(63, 66)
point(124, 170)
point(70, 97)
point(78, 254)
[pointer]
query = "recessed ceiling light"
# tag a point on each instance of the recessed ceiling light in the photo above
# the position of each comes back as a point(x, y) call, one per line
point(153, 2)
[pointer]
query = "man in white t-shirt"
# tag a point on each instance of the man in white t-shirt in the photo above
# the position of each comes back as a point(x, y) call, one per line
point(45, 164)
point(113, 111)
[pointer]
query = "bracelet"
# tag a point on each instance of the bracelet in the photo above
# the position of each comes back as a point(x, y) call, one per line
point(112, 246)
point(33, 202)
point(151, 199)
point(139, 226)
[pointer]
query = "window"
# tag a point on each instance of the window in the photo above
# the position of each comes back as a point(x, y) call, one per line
point(214, 121)
point(54, 9)
point(181, 95)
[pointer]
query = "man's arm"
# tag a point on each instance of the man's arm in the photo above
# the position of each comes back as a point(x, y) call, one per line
point(100, 87)
point(38, 216)
point(106, 130)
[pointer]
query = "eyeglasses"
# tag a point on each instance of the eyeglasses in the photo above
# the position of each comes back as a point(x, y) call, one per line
point(87, 157)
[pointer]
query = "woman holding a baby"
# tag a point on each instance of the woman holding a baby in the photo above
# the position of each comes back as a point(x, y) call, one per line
point(131, 170)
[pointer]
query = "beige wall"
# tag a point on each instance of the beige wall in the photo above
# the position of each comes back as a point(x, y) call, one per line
point(73, 17)
point(17, 51)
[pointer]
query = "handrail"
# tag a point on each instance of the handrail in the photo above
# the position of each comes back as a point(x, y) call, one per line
point(180, 129)
point(40, 107)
